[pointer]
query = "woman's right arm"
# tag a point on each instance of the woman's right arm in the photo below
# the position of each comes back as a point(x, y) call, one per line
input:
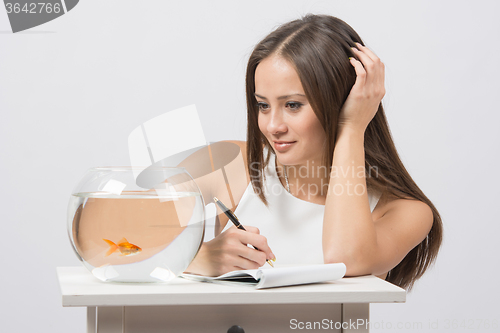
point(228, 251)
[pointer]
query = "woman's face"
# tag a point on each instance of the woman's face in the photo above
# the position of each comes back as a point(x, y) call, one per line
point(285, 115)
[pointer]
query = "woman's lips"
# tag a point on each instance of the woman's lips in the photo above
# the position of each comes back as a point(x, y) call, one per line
point(283, 146)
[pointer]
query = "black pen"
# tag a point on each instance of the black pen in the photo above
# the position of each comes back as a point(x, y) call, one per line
point(235, 221)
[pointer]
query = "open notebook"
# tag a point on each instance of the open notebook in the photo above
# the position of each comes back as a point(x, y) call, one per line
point(276, 277)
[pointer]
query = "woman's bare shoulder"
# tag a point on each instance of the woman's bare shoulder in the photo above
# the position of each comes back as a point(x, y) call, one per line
point(409, 210)
point(388, 201)
point(403, 223)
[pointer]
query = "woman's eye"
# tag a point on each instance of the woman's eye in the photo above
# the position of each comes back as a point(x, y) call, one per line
point(294, 105)
point(262, 106)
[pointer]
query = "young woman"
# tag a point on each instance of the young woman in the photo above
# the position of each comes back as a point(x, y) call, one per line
point(322, 181)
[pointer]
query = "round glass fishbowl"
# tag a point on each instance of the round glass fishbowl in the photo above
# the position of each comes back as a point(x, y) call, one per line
point(131, 224)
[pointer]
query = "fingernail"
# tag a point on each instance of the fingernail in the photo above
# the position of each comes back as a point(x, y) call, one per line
point(354, 49)
point(273, 257)
point(358, 44)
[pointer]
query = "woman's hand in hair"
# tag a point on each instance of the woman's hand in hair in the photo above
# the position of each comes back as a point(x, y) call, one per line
point(228, 252)
point(367, 92)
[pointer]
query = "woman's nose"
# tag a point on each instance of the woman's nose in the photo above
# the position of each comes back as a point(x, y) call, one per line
point(276, 122)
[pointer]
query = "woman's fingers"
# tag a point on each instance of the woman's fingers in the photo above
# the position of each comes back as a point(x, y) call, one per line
point(254, 230)
point(255, 257)
point(240, 263)
point(251, 229)
point(237, 255)
point(364, 58)
point(364, 98)
point(368, 52)
point(369, 59)
point(262, 240)
point(373, 67)
point(360, 72)
point(251, 236)
point(378, 67)
point(256, 240)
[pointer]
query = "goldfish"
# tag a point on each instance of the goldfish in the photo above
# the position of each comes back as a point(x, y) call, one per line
point(126, 248)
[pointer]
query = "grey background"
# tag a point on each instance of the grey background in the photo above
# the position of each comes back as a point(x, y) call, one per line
point(72, 90)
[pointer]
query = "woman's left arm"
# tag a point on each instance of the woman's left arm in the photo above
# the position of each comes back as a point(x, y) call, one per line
point(350, 235)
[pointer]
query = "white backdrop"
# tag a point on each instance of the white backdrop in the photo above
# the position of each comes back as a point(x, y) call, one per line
point(72, 90)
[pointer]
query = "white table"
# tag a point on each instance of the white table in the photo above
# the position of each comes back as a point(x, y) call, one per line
point(187, 306)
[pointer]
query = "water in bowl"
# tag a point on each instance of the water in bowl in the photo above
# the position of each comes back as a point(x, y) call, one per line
point(136, 236)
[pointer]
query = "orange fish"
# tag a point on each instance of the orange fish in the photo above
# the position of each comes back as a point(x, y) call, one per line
point(126, 248)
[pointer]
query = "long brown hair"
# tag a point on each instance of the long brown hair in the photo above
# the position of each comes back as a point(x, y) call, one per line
point(318, 46)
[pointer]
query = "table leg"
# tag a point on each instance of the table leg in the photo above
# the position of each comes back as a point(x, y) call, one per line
point(91, 319)
point(109, 319)
point(355, 317)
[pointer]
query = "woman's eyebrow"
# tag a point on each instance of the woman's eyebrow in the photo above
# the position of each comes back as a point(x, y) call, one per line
point(282, 97)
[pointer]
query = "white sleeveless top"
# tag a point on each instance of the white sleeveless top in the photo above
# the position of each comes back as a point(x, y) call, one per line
point(293, 227)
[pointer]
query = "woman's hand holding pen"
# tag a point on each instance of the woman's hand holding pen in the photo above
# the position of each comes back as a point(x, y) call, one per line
point(364, 98)
point(229, 251)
